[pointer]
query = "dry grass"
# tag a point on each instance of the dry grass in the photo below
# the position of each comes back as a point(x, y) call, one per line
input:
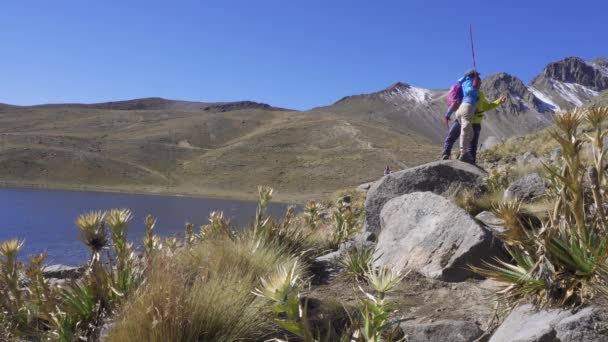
point(203, 294)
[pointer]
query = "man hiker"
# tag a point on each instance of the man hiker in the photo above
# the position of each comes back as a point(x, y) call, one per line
point(469, 133)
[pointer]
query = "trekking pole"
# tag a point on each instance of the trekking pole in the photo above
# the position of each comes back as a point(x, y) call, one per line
point(472, 47)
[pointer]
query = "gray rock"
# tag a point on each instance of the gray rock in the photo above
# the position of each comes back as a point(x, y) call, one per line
point(446, 178)
point(364, 237)
point(365, 186)
point(528, 159)
point(431, 235)
point(556, 155)
point(526, 324)
point(441, 331)
point(527, 188)
point(589, 324)
point(62, 272)
point(491, 222)
point(490, 142)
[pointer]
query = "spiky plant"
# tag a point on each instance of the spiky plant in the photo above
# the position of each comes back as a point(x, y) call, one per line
point(283, 289)
point(357, 262)
point(311, 212)
point(262, 221)
point(152, 243)
point(12, 310)
point(189, 234)
point(218, 227)
point(563, 258)
point(345, 224)
point(376, 308)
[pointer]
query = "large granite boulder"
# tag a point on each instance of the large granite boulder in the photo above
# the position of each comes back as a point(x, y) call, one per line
point(446, 178)
point(526, 324)
point(441, 331)
point(527, 188)
point(431, 235)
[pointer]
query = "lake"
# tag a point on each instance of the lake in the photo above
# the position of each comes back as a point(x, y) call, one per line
point(45, 218)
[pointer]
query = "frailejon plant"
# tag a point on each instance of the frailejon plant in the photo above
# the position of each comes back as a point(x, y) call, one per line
point(561, 259)
point(345, 223)
point(311, 213)
point(152, 243)
point(375, 308)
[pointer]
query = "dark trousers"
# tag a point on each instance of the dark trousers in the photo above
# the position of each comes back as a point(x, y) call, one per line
point(454, 134)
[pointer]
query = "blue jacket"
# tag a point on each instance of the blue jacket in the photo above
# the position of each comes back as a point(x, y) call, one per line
point(469, 93)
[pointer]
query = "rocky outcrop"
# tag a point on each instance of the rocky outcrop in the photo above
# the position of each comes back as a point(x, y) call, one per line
point(446, 178)
point(62, 272)
point(429, 234)
point(528, 188)
point(572, 81)
point(441, 331)
point(526, 324)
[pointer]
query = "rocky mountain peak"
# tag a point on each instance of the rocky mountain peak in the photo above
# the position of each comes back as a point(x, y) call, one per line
point(576, 70)
point(398, 86)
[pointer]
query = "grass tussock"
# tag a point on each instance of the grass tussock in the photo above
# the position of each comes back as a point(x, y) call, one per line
point(204, 294)
point(561, 258)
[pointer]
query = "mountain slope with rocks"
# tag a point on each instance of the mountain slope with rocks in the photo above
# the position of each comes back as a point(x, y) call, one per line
point(571, 82)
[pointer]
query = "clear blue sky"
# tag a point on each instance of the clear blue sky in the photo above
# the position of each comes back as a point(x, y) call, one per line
point(295, 54)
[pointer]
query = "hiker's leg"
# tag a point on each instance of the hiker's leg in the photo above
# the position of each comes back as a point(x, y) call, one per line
point(465, 114)
point(450, 139)
point(472, 149)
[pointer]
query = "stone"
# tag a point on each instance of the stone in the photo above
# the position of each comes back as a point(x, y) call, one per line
point(446, 178)
point(556, 155)
point(527, 324)
point(528, 159)
point(441, 331)
point(491, 222)
point(527, 188)
point(62, 271)
point(490, 142)
point(365, 186)
point(431, 235)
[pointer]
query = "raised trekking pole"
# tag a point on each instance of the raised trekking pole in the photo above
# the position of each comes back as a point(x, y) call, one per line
point(472, 47)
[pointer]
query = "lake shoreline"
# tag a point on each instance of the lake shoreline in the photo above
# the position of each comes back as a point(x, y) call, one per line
point(161, 191)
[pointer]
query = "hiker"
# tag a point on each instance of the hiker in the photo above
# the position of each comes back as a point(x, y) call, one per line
point(457, 129)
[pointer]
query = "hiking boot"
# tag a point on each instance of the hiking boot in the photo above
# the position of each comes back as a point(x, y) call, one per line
point(464, 157)
point(445, 157)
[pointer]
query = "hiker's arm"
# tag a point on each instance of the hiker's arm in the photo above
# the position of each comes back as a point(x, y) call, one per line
point(484, 105)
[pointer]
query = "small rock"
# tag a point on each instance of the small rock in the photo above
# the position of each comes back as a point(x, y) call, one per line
point(556, 155)
point(490, 221)
point(528, 159)
point(62, 272)
point(527, 188)
point(365, 186)
point(441, 331)
point(490, 142)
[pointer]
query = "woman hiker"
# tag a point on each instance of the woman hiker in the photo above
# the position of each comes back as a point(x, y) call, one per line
point(467, 125)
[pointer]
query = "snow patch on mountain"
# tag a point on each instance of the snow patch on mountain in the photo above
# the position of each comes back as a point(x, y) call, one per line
point(545, 99)
point(574, 93)
point(405, 92)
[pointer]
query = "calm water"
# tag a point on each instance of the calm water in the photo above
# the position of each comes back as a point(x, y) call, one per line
point(45, 219)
